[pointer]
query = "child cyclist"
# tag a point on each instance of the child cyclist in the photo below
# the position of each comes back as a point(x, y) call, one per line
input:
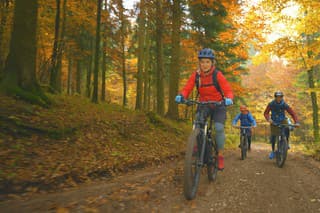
point(209, 90)
point(278, 108)
point(246, 120)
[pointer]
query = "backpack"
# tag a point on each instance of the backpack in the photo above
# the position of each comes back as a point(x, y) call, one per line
point(278, 111)
point(214, 81)
point(244, 119)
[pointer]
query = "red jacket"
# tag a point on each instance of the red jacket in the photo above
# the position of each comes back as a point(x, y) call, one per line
point(208, 93)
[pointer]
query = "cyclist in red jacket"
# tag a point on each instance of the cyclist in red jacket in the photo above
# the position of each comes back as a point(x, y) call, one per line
point(212, 86)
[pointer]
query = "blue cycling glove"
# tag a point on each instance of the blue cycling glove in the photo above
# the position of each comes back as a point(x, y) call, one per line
point(179, 99)
point(228, 101)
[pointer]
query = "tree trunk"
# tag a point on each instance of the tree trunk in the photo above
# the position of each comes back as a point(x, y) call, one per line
point(69, 86)
point(20, 70)
point(104, 51)
point(60, 48)
point(123, 55)
point(175, 60)
point(53, 68)
point(103, 74)
point(97, 54)
point(88, 82)
point(3, 24)
point(79, 74)
point(315, 108)
point(146, 78)
point(141, 41)
point(124, 76)
point(90, 68)
point(159, 54)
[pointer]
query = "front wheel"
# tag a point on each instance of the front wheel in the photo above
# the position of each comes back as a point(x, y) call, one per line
point(244, 147)
point(192, 168)
point(282, 151)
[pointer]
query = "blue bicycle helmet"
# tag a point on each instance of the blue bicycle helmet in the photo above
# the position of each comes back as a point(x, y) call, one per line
point(206, 53)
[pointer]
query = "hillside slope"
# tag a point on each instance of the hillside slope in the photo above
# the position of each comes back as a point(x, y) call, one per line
point(75, 141)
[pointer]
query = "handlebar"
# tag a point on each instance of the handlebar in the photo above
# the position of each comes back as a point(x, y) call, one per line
point(285, 125)
point(191, 102)
point(243, 127)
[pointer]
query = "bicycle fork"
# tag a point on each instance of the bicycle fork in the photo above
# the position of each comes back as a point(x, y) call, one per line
point(203, 144)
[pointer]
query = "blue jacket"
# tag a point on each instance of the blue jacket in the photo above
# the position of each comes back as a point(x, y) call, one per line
point(245, 120)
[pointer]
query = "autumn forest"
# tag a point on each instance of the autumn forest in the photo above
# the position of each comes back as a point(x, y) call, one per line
point(73, 71)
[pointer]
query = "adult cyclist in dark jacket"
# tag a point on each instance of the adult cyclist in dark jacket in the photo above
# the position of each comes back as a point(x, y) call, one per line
point(246, 120)
point(277, 107)
point(208, 92)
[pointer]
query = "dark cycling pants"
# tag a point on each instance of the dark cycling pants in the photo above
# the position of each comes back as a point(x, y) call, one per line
point(219, 116)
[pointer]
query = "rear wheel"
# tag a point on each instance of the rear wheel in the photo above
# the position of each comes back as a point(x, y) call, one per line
point(282, 150)
point(192, 168)
point(212, 168)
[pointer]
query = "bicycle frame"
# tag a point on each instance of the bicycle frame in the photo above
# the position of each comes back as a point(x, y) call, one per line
point(201, 137)
point(243, 140)
point(282, 128)
point(205, 129)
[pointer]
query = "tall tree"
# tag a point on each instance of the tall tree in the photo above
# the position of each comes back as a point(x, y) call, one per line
point(70, 77)
point(78, 78)
point(89, 68)
point(175, 60)
point(104, 69)
point(5, 7)
point(53, 68)
point(61, 45)
point(20, 70)
point(141, 45)
point(123, 32)
point(159, 54)
point(146, 78)
point(97, 54)
point(104, 52)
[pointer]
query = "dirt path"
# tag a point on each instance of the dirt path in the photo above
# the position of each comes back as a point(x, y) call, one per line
point(253, 185)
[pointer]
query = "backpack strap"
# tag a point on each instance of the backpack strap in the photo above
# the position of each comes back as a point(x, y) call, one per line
point(214, 81)
point(197, 81)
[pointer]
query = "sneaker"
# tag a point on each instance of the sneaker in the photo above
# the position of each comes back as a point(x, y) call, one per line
point(271, 156)
point(220, 162)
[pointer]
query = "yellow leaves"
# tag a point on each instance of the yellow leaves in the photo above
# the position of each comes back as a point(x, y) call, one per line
point(226, 36)
point(260, 58)
point(62, 210)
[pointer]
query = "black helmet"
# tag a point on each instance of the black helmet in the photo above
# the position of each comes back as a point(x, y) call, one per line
point(206, 53)
point(278, 93)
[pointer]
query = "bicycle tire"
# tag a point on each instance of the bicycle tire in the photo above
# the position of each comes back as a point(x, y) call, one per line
point(191, 168)
point(282, 151)
point(244, 147)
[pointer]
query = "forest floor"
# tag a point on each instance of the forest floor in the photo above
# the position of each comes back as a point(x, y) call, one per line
point(76, 156)
point(253, 185)
point(74, 142)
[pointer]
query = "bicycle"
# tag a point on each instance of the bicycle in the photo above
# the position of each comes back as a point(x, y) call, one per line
point(243, 140)
point(206, 153)
point(282, 144)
